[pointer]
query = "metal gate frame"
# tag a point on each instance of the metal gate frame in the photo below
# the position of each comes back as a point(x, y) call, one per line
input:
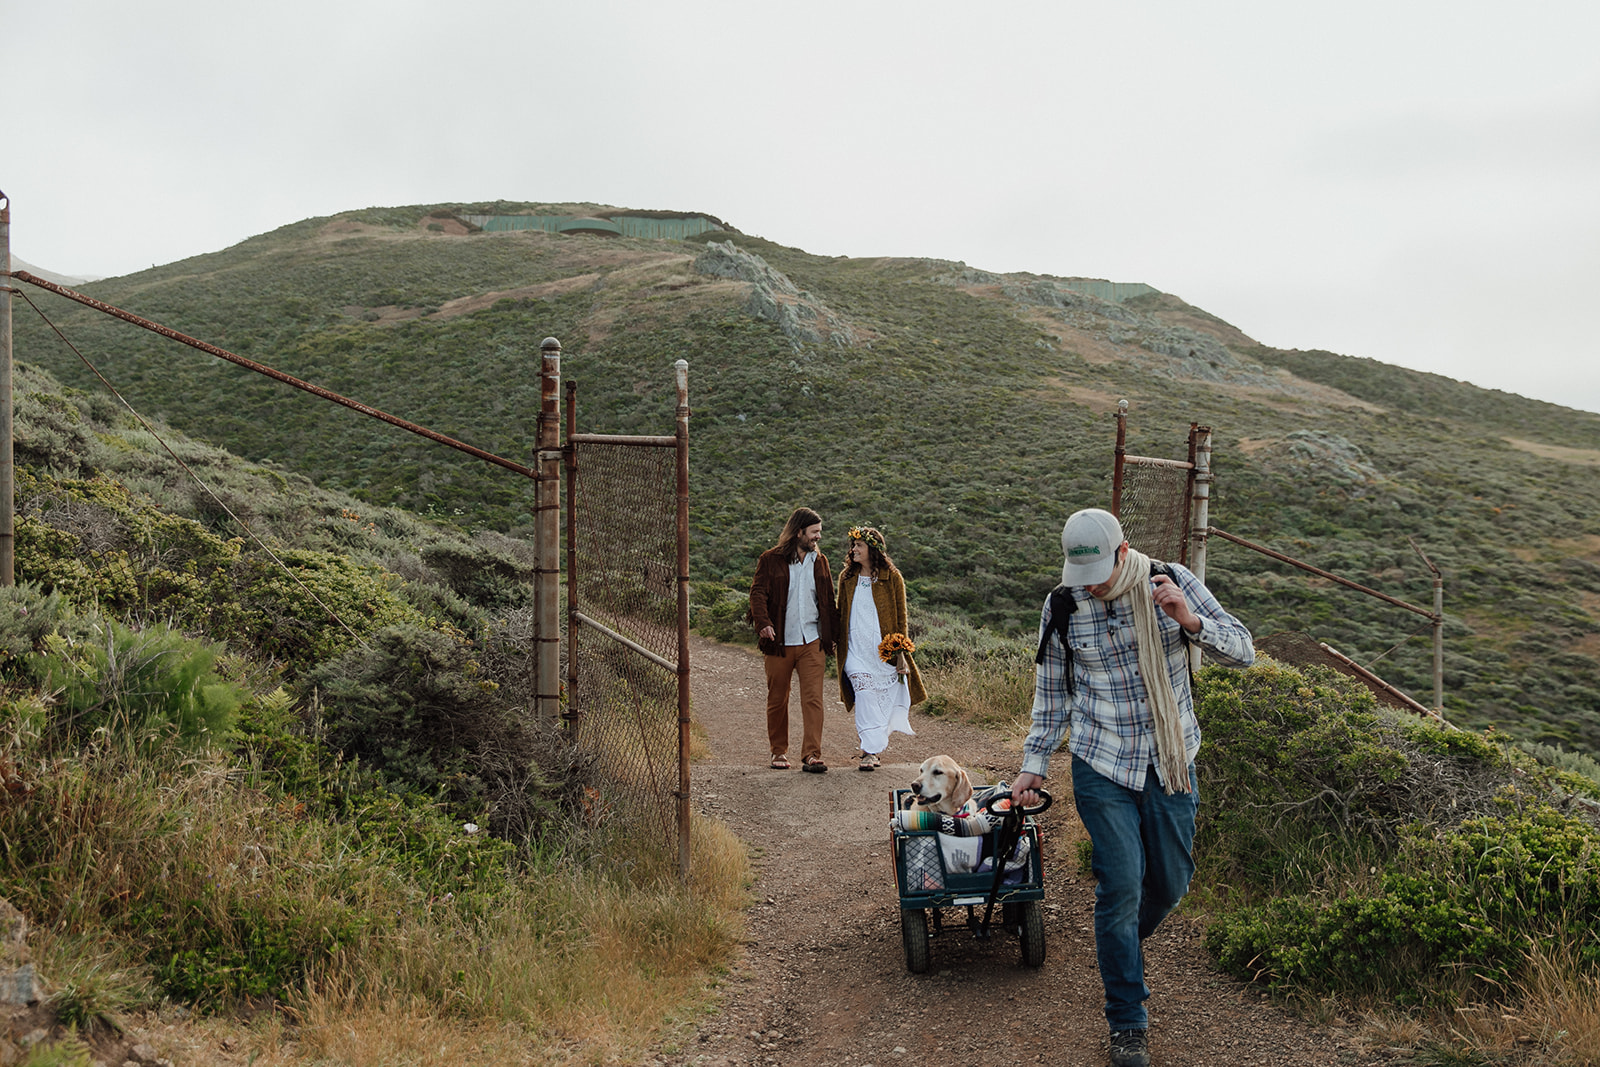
point(1185, 541)
point(577, 618)
point(1197, 528)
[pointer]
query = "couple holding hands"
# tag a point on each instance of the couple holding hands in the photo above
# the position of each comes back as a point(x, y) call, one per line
point(800, 619)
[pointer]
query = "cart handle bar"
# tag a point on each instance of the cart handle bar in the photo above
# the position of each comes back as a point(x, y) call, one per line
point(988, 806)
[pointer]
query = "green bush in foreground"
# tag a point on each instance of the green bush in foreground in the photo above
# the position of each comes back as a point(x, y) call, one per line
point(1462, 921)
point(147, 685)
point(1375, 855)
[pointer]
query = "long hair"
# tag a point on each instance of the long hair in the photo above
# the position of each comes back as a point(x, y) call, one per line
point(802, 518)
point(878, 557)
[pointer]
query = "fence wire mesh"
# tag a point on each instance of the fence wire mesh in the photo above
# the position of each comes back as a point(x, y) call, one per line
point(624, 570)
point(1154, 508)
point(629, 724)
point(626, 549)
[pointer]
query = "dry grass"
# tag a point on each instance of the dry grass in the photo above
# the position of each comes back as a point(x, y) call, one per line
point(571, 962)
point(996, 694)
point(1583, 457)
point(1553, 1018)
point(575, 969)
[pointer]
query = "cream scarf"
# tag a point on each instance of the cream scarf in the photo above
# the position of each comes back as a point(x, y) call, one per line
point(1132, 583)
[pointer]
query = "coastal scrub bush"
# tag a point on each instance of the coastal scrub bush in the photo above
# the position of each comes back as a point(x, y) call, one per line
point(416, 707)
point(1459, 914)
point(1361, 852)
point(1303, 775)
point(95, 543)
point(719, 612)
point(316, 606)
point(150, 686)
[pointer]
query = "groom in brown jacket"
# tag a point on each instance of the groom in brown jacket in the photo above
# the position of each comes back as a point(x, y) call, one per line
point(792, 609)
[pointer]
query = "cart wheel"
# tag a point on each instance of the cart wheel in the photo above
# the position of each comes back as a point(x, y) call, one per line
point(1032, 933)
point(914, 936)
point(1011, 918)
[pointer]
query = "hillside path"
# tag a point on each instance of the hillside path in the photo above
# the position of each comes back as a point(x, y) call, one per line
point(822, 979)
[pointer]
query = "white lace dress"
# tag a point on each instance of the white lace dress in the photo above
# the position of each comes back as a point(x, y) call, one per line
point(883, 699)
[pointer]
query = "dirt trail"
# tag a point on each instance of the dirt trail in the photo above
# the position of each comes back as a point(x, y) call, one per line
point(823, 978)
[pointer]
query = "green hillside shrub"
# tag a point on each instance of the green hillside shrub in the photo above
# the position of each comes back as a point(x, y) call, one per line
point(95, 542)
point(493, 579)
point(166, 867)
point(720, 612)
point(416, 706)
point(151, 686)
point(316, 609)
point(1458, 918)
point(27, 616)
point(1360, 852)
point(1303, 772)
point(1581, 772)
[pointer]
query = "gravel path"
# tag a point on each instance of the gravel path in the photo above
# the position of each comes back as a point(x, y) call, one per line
point(823, 981)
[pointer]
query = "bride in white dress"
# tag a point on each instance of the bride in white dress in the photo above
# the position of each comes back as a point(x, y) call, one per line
point(872, 606)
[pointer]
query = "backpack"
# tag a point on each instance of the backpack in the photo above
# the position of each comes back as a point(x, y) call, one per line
point(1062, 605)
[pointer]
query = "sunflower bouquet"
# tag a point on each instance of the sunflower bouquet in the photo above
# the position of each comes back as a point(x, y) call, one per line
point(893, 649)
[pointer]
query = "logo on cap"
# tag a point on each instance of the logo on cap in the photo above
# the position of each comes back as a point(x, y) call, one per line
point(1083, 550)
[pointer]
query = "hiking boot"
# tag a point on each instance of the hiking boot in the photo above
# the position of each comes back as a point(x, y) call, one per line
point(1130, 1048)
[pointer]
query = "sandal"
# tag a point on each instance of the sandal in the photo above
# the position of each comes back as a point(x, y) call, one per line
point(780, 763)
point(814, 764)
point(869, 761)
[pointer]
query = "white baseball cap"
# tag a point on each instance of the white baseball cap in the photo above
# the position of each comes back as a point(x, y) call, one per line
point(1090, 540)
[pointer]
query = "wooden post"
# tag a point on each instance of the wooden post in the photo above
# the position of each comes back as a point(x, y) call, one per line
point(8, 479)
point(547, 511)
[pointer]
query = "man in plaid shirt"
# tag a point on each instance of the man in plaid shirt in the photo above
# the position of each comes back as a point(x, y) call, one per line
point(1127, 621)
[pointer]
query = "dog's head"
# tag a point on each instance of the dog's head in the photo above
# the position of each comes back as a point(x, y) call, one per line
point(941, 786)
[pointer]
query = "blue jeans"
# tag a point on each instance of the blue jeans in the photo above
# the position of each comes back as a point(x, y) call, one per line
point(1142, 868)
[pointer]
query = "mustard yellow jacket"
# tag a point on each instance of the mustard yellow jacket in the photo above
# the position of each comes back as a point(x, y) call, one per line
point(889, 597)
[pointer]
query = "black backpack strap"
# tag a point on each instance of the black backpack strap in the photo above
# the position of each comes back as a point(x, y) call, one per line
point(1062, 605)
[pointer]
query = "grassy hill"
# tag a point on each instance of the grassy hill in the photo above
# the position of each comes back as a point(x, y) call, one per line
point(965, 413)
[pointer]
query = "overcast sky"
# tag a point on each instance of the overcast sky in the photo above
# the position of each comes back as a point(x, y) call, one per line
point(1418, 182)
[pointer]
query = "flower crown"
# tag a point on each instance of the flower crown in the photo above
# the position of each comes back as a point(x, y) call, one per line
point(860, 533)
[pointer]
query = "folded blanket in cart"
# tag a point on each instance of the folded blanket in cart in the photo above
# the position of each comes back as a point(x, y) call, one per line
point(969, 824)
point(963, 838)
point(1016, 866)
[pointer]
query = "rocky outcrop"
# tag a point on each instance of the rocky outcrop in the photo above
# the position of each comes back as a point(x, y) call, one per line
point(19, 982)
point(31, 1031)
point(1331, 454)
point(801, 315)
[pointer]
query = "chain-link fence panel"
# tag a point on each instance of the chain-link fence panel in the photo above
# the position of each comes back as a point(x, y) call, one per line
point(626, 547)
point(629, 723)
point(1154, 507)
point(624, 571)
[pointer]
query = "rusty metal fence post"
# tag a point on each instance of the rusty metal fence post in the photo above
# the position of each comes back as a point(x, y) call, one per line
point(8, 482)
point(1199, 510)
point(547, 512)
point(681, 376)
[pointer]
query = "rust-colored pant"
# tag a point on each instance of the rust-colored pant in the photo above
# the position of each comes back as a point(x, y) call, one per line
point(810, 662)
